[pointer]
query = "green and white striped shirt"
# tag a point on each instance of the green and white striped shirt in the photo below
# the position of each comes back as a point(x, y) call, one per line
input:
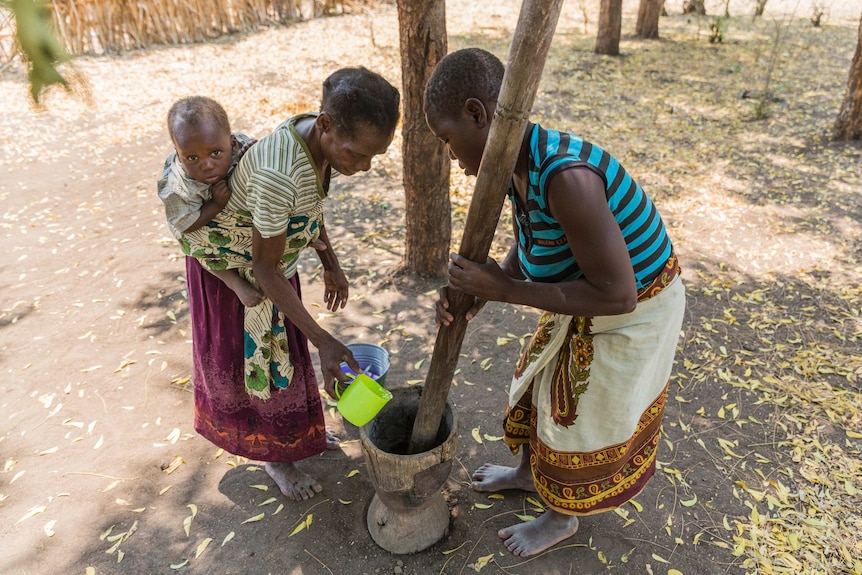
point(277, 183)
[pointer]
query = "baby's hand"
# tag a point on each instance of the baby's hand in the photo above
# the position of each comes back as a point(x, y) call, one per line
point(245, 147)
point(221, 193)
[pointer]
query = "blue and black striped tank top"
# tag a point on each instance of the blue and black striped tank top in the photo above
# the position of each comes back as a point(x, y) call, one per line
point(543, 250)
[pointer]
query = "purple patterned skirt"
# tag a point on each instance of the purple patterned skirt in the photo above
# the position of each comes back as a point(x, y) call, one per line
point(287, 427)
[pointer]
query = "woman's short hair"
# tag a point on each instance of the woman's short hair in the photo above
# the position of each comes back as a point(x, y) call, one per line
point(358, 97)
point(459, 76)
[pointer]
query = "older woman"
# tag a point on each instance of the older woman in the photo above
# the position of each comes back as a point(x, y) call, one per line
point(256, 393)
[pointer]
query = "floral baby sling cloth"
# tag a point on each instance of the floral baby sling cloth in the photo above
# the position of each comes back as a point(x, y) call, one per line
point(226, 243)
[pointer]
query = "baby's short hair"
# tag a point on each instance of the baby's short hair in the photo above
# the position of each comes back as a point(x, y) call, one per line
point(190, 113)
point(356, 97)
point(463, 74)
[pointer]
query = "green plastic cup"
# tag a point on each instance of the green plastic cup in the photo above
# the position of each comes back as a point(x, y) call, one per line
point(362, 400)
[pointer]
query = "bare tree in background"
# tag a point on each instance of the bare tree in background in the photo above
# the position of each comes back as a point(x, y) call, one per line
point(422, 26)
point(759, 6)
point(610, 24)
point(694, 7)
point(648, 16)
point(848, 125)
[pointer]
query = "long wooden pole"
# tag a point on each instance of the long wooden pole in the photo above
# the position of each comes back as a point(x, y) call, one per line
point(533, 35)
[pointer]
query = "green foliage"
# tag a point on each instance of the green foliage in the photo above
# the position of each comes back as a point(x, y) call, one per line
point(39, 43)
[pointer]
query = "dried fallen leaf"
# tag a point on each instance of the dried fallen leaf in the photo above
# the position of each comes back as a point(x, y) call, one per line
point(177, 461)
point(482, 505)
point(48, 528)
point(33, 511)
point(179, 565)
point(476, 435)
point(255, 518)
point(228, 537)
point(482, 562)
point(450, 551)
point(202, 546)
point(297, 529)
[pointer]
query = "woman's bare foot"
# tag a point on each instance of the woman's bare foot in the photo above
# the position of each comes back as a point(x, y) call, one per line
point(332, 441)
point(492, 477)
point(532, 537)
point(293, 483)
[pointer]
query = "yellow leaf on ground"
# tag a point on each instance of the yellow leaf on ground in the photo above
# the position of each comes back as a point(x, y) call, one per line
point(689, 502)
point(33, 511)
point(267, 502)
point(344, 502)
point(261, 487)
point(193, 508)
point(450, 551)
point(179, 565)
point(482, 505)
point(476, 435)
point(482, 562)
point(297, 529)
point(174, 464)
point(659, 558)
point(202, 546)
point(255, 518)
point(353, 472)
point(228, 537)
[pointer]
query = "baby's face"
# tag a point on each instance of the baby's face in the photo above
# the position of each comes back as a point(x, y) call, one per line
point(205, 152)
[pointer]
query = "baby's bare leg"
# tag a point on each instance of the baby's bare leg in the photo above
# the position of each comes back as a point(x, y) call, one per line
point(247, 294)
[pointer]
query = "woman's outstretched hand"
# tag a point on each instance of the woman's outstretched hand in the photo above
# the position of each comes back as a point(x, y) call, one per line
point(332, 353)
point(336, 289)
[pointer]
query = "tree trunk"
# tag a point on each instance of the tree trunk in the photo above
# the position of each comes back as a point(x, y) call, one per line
point(648, 15)
point(694, 7)
point(610, 23)
point(848, 125)
point(759, 6)
point(422, 27)
point(527, 54)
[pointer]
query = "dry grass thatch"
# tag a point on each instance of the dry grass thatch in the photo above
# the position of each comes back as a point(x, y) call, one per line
point(101, 26)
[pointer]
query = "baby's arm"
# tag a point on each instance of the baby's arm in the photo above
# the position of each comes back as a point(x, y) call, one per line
point(220, 196)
